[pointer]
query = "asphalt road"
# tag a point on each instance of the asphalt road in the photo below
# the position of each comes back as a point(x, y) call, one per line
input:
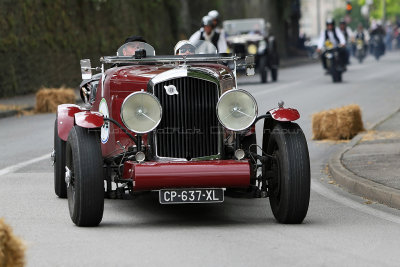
point(340, 229)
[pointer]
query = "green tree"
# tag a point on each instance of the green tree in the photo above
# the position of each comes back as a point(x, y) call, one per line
point(392, 8)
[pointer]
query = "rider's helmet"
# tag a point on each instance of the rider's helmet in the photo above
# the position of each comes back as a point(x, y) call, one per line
point(330, 21)
point(206, 21)
point(214, 15)
point(342, 21)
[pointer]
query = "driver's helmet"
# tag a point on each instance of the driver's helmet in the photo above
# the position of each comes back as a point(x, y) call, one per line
point(184, 47)
point(206, 21)
point(135, 38)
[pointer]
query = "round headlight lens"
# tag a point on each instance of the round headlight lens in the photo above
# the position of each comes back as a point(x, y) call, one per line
point(237, 110)
point(141, 112)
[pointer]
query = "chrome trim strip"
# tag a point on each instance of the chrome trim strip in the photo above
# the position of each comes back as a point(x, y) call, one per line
point(167, 59)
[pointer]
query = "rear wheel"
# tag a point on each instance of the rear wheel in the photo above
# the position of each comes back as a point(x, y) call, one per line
point(289, 188)
point(60, 187)
point(263, 69)
point(84, 177)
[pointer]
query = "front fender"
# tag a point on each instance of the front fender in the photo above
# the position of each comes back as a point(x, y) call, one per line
point(284, 114)
point(66, 119)
point(88, 119)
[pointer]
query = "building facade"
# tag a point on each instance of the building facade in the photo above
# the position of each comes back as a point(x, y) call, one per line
point(314, 14)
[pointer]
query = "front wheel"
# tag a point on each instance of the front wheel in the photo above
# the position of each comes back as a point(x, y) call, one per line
point(60, 188)
point(84, 177)
point(289, 188)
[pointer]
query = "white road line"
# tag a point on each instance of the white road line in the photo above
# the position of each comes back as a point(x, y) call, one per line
point(320, 189)
point(23, 164)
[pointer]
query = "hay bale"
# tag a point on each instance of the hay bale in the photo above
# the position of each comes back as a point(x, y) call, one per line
point(47, 99)
point(12, 249)
point(337, 124)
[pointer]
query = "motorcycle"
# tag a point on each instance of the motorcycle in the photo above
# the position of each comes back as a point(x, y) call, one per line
point(360, 50)
point(378, 47)
point(333, 63)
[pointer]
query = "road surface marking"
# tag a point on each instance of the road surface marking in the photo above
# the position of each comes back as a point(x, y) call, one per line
point(23, 164)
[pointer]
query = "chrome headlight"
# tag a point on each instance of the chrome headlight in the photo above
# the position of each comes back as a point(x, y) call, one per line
point(141, 112)
point(237, 110)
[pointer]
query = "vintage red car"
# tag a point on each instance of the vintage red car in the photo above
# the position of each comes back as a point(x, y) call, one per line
point(179, 125)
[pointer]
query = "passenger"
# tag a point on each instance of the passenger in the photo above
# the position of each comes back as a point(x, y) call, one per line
point(207, 33)
point(184, 47)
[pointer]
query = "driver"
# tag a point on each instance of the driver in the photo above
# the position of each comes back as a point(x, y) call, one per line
point(184, 47)
point(133, 45)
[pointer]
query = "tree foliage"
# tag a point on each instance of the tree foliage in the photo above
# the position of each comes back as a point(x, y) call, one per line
point(392, 8)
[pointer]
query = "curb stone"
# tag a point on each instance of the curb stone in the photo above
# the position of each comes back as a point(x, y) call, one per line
point(358, 185)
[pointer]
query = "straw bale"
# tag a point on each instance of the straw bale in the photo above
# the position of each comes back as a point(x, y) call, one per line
point(337, 124)
point(12, 249)
point(47, 99)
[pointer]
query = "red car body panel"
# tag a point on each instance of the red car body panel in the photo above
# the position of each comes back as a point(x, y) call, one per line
point(181, 174)
point(87, 119)
point(284, 114)
point(66, 119)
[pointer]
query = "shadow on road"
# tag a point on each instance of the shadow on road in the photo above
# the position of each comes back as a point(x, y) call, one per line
point(145, 211)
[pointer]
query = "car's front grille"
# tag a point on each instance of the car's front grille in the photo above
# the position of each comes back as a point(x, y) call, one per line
point(189, 124)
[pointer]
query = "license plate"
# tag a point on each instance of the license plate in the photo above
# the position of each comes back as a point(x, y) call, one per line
point(197, 195)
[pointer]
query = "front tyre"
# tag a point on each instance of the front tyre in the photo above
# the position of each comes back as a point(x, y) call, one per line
point(60, 188)
point(289, 188)
point(84, 177)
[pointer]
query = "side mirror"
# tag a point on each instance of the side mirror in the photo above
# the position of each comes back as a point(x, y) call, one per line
point(86, 69)
point(249, 60)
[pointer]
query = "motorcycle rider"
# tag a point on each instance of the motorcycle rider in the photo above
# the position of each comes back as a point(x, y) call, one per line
point(214, 15)
point(362, 35)
point(335, 36)
point(348, 36)
point(377, 35)
point(207, 33)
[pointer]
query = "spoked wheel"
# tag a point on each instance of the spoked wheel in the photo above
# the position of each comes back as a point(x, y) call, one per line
point(289, 188)
point(58, 155)
point(84, 177)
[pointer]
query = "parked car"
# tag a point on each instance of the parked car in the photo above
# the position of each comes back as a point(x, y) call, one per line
point(249, 37)
point(175, 124)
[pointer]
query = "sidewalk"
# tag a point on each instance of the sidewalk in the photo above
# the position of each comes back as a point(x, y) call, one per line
point(370, 165)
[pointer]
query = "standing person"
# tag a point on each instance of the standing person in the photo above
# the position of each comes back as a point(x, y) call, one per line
point(207, 33)
point(348, 36)
point(335, 36)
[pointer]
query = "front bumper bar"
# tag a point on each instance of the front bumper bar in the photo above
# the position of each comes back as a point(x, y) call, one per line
point(184, 174)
